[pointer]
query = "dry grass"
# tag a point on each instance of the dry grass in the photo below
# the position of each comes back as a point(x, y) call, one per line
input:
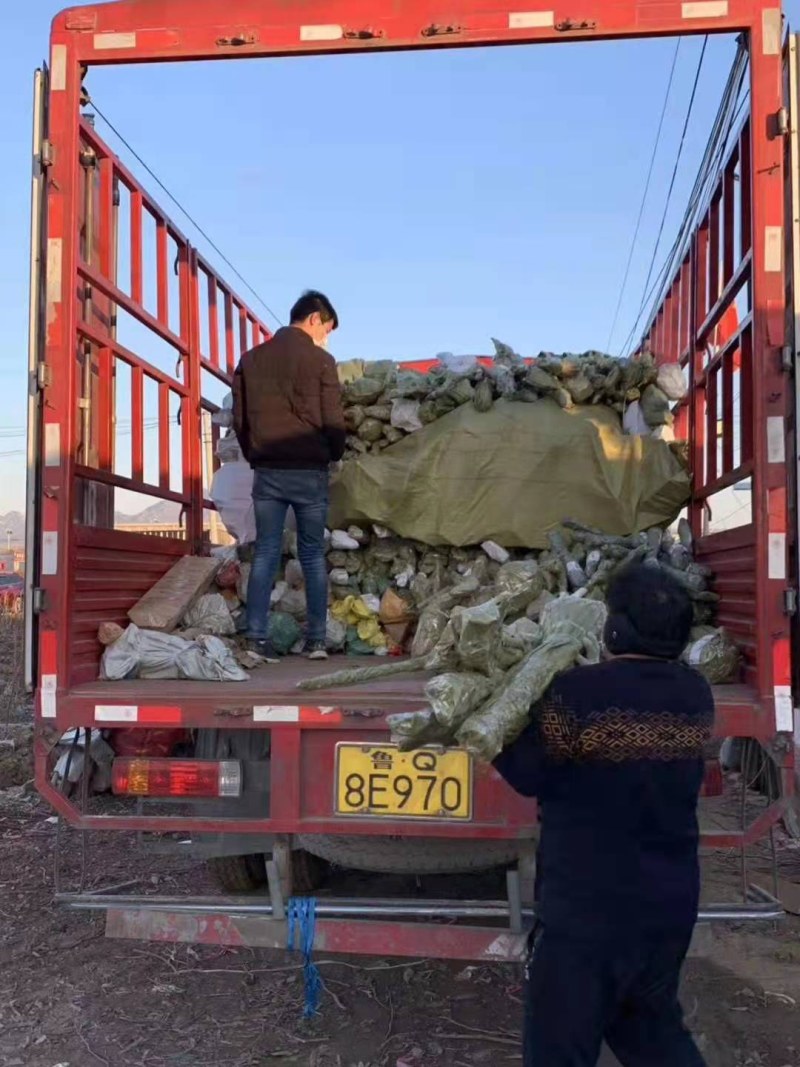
point(15, 704)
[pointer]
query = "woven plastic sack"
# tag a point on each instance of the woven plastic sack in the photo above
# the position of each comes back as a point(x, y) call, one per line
point(633, 421)
point(341, 541)
point(405, 415)
point(655, 407)
point(714, 655)
point(335, 634)
point(124, 658)
point(211, 615)
point(671, 381)
point(411, 384)
point(209, 660)
point(362, 391)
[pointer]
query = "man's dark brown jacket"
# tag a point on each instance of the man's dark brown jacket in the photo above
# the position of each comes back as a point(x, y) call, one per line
point(287, 406)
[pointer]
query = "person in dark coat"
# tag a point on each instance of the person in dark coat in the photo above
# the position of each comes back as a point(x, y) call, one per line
point(288, 417)
point(614, 754)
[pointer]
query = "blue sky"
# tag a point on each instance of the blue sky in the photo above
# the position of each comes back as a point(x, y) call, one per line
point(440, 199)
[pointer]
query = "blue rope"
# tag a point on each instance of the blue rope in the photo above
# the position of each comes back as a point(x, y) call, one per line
point(302, 921)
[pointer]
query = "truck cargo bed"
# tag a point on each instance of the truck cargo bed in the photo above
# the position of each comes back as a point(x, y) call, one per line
point(277, 685)
point(274, 684)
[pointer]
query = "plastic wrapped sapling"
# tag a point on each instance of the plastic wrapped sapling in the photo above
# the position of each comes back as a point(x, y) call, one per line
point(500, 721)
point(477, 632)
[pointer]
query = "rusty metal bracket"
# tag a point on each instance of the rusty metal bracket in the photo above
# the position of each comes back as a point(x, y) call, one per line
point(440, 31)
point(367, 34)
point(573, 26)
point(237, 40)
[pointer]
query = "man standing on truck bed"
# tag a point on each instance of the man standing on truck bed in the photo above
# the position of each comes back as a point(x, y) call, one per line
point(614, 754)
point(287, 414)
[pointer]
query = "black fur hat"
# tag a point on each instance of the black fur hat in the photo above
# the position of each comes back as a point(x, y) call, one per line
point(649, 613)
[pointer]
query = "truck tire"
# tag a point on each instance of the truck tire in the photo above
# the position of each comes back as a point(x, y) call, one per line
point(238, 874)
point(245, 874)
point(407, 855)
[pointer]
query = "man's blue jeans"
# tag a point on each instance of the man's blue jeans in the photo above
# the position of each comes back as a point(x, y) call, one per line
point(306, 493)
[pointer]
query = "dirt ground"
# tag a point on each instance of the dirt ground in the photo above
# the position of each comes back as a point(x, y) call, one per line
point(71, 998)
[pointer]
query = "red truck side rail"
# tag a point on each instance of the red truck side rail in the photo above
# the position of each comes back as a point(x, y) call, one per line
point(99, 223)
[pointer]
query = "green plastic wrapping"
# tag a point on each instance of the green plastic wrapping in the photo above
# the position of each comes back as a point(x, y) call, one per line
point(477, 632)
point(454, 695)
point(589, 616)
point(482, 397)
point(499, 722)
point(413, 729)
point(284, 632)
point(361, 675)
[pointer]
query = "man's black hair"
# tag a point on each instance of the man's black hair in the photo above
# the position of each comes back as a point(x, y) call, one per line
point(650, 613)
point(313, 301)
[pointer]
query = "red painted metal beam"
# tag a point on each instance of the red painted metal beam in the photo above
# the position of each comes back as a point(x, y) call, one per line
point(134, 31)
point(335, 936)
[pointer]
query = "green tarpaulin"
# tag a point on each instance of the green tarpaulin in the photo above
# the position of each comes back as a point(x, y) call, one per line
point(510, 475)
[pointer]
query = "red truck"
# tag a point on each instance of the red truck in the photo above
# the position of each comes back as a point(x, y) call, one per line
point(250, 774)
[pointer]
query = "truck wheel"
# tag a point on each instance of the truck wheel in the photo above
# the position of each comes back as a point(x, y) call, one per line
point(244, 874)
point(408, 855)
point(238, 874)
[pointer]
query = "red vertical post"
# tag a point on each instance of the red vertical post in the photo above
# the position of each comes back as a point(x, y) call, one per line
point(770, 386)
point(726, 377)
point(107, 266)
point(711, 466)
point(746, 179)
point(697, 396)
point(193, 443)
point(746, 418)
point(213, 322)
point(713, 252)
point(243, 342)
point(728, 205)
point(162, 269)
point(163, 436)
point(137, 240)
point(188, 428)
point(675, 321)
point(137, 424)
point(60, 393)
point(230, 352)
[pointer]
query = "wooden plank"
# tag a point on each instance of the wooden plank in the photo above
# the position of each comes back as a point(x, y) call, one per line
point(163, 606)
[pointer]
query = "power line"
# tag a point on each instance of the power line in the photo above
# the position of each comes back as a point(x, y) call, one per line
point(689, 110)
point(724, 123)
point(184, 211)
point(644, 195)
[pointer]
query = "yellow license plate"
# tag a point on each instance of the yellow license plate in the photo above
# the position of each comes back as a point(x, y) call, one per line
point(380, 780)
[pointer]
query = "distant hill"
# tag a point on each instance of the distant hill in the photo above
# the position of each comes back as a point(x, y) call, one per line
point(165, 511)
point(15, 522)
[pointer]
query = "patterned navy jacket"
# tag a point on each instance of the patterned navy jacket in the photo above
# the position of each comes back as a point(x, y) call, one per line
point(614, 754)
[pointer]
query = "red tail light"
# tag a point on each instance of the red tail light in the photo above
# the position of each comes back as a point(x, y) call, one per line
point(713, 784)
point(177, 778)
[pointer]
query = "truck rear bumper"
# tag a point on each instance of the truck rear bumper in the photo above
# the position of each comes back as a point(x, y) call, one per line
point(462, 930)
